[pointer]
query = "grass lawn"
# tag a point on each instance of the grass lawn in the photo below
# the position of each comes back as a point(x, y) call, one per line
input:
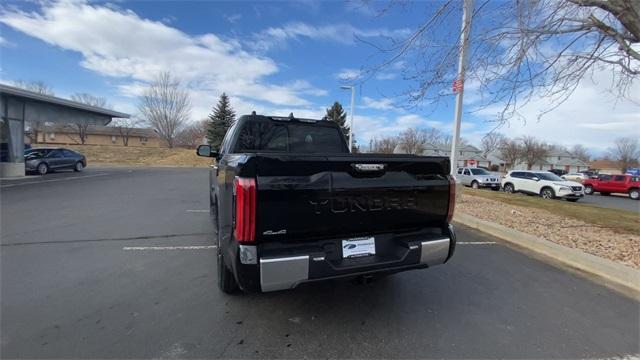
point(619, 220)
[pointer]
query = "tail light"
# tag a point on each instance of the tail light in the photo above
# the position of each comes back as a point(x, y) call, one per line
point(245, 226)
point(452, 198)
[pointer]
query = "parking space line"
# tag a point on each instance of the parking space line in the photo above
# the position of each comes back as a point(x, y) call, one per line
point(53, 180)
point(476, 242)
point(145, 248)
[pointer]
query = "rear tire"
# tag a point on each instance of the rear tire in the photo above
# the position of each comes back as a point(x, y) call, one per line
point(78, 167)
point(226, 281)
point(548, 193)
point(42, 169)
point(475, 185)
point(634, 194)
point(588, 190)
point(508, 188)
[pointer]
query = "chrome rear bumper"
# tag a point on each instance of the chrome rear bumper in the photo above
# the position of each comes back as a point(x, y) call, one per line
point(281, 273)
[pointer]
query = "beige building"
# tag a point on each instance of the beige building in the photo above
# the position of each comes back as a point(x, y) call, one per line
point(95, 135)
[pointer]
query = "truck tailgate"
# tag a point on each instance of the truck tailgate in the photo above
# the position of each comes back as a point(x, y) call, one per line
point(313, 196)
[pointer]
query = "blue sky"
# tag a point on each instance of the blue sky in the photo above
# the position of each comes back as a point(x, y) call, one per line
point(272, 57)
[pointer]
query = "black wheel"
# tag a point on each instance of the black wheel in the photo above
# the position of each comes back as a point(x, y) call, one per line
point(572, 200)
point(508, 188)
point(634, 194)
point(42, 168)
point(226, 280)
point(78, 167)
point(474, 184)
point(547, 193)
point(588, 190)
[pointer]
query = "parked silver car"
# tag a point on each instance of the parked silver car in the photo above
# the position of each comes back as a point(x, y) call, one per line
point(478, 178)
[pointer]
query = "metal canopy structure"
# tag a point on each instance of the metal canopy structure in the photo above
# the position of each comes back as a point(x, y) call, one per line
point(19, 106)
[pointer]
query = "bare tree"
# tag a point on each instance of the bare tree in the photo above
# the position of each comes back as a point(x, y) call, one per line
point(384, 145)
point(519, 50)
point(510, 152)
point(81, 128)
point(581, 153)
point(411, 141)
point(491, 142)
point(39, 87)
point(88, 99)
point(193, 134)
point(34, 127)
point(166, 105)
point(533, 151)
point(126, 127)
point(626, 151)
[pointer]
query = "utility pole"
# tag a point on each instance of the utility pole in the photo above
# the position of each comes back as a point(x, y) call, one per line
point(351, 110)
point(458, 84)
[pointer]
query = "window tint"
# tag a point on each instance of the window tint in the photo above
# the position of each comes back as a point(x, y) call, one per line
point(69, 153)
point(548, 176)
point(479, 171)
point(516, 174)
point(604, 177)
point(302, 138)
point(618, 178)
point(54, 154)
point(224, 146)
point(459, 170)
point(466, 172)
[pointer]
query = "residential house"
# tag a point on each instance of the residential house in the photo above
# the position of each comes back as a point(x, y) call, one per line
point(468, 155)
point(555, 159)
point(96, 135)
point(609, 167)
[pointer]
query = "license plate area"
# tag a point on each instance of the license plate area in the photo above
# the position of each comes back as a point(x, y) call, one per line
point(358, 247)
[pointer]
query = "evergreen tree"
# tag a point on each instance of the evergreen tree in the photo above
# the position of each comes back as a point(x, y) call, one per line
point(336, 113)
point(220, 120)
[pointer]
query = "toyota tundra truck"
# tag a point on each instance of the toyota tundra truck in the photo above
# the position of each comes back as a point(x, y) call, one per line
point(291, 204)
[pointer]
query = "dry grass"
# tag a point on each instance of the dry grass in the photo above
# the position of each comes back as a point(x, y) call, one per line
point(617, 220)
point(567, 224)
point(139, 156)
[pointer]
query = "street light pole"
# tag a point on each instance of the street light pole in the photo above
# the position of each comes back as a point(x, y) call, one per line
point(467, 11)
point(352, 110)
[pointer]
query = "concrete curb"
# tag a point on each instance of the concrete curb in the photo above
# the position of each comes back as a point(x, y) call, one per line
point(609, 273)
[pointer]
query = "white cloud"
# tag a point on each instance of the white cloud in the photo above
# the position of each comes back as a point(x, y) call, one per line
point(347, 74)
point(386, 76)
point(233, 18)
point(379, 104)
point(118, 43)
point(590, 117)
point(340, 33)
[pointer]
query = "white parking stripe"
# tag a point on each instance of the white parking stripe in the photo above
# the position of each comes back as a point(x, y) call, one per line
point(476, 242)
point(144, 248)
point(198, 211)
point(53, 180)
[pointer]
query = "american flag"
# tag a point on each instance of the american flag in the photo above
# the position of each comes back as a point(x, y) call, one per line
point(458, 84)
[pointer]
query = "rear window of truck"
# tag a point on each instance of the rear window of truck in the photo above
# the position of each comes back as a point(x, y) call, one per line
point(290, 137)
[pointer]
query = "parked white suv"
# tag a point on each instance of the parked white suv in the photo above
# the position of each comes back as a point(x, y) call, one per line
point(543, 183)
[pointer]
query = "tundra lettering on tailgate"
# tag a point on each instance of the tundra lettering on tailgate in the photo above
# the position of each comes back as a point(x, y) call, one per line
point(343, 204)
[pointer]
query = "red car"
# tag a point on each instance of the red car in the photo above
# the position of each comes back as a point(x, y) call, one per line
point(607, 184)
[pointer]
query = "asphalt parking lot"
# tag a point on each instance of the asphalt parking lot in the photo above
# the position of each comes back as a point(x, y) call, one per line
point(614, 201)
point(119, 263)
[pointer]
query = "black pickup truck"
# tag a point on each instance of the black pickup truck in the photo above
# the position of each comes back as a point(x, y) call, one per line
point(291, 204)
